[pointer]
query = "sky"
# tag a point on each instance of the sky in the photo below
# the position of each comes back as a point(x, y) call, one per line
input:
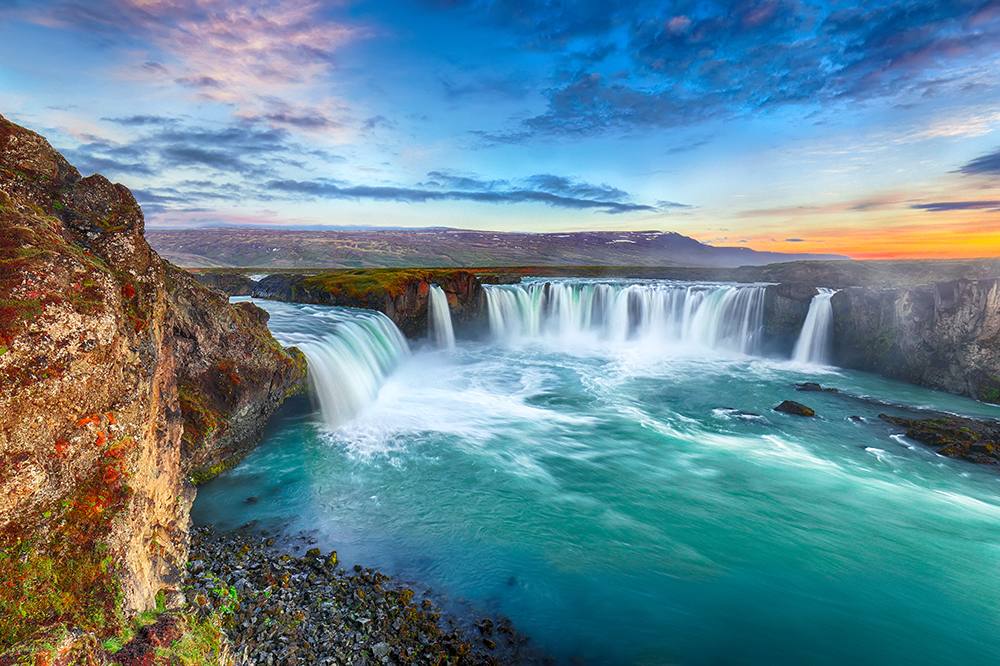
point(870, 129)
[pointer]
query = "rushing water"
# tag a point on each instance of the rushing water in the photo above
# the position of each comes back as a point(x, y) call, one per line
point(440, 318)
point(629, 496)
point(715, 316)
point(813, 345)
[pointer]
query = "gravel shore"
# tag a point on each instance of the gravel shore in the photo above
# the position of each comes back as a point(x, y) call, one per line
point(283, 609)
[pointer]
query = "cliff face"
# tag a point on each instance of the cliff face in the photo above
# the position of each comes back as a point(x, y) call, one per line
point(401, 294)
point(110, 362)
point(785, 310)
point(946, 336)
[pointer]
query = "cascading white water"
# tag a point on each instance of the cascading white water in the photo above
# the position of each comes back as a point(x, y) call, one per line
point(350, 353)
point(813, 345)
point(727, 317)
point(439, 318)
point(543, 484)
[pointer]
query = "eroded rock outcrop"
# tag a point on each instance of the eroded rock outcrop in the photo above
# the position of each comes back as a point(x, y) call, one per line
point(229, 283)
point(945, 336)
point(955, 437)
point(110, 362)
point(785, 308)
point(401, 294)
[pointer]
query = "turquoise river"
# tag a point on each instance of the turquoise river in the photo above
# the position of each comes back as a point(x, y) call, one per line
point(606, 469)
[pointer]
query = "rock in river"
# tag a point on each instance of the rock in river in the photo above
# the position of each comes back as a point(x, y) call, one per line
point(792, 407)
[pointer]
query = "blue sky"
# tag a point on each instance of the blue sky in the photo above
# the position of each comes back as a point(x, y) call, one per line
point(868, 129)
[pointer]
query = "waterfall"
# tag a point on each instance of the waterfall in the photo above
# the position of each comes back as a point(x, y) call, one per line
point(440, 318)
point(813, 345)
point(719, 316)
point(350, 352)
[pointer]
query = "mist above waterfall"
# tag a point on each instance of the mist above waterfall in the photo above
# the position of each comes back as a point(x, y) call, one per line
point(576, 462)
point(720, 317)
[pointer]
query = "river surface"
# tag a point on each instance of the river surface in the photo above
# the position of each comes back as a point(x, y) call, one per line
point(617, 483)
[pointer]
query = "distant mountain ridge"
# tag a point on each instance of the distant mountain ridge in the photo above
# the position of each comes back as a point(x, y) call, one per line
point(294, 248)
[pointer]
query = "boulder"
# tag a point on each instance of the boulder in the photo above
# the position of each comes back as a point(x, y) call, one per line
point(792, 407)
point(955, 437)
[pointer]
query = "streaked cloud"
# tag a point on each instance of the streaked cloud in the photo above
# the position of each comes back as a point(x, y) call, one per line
point(163, 145)
point(472, 190)
point(986, 165)
point(947, 206)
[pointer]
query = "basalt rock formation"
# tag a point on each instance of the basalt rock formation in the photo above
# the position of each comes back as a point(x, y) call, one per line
point(945, 336)
point(229, 283)
point(120, 377)
point(955, 437)
point(785, 308)
point(401, 294)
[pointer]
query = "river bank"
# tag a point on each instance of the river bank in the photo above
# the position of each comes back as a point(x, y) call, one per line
point(284, 608)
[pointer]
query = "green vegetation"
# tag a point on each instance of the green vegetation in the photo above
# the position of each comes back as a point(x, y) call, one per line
point(64, 574)
point(200, 419)
point(363, 283)
point(877, 274)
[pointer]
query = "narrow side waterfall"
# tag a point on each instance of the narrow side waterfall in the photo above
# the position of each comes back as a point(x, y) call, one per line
point(725, 317)
point(350, 352)
point(440, 318)
point(813, 345)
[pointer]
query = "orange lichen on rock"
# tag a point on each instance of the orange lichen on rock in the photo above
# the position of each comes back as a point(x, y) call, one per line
point(96, 332)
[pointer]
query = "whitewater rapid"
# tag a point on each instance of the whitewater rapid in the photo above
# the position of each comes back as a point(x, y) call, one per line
point(608, 471)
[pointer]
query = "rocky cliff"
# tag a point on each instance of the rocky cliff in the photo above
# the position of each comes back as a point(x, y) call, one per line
point(945, 336)
point(401, 294)
point(120, 377)
point(785, 310)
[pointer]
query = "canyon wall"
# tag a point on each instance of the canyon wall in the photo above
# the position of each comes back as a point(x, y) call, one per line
point(785, 308)
point(944, 336)
point(121, 378)
point(401, 294)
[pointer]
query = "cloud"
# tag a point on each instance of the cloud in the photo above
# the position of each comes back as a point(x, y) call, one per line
point(795, 240)
point(877, 204)
point(946, 206)
point(473, 190)
point(247, 150)
point(133, 121)
point(668, 205)
point(984, 165)
point(564, 186)
point(374, 122)
point(225, 50)
point(686, 61)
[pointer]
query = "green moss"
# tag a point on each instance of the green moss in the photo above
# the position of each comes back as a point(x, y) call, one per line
point(64, 574)
point(200, 420)
point(364, 283)
point(199, 644)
